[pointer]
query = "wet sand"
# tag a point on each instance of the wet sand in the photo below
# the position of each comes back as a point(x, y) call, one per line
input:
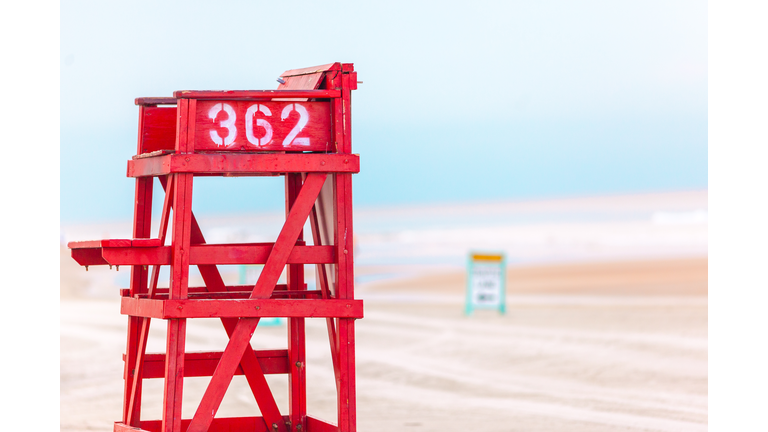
point(595, 346)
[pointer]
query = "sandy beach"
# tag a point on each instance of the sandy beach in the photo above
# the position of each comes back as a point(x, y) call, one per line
point(609, 333)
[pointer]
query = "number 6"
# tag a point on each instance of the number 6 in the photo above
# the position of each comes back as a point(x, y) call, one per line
point(259, 122)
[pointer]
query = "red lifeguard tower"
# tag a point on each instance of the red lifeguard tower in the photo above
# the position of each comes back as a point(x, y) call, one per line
point(300, 131)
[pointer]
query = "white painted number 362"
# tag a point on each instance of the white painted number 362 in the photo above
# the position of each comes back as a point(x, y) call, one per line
point(229, 123)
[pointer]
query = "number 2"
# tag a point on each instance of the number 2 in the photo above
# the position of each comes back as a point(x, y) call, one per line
point(303, 120)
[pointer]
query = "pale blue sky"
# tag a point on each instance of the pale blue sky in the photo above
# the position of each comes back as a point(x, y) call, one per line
point(460, 101)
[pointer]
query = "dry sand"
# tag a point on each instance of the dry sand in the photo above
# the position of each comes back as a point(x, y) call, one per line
point(583, 347)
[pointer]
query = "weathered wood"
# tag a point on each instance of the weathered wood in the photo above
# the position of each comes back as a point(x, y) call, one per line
point(292, 294)
point(256, 95)
point(249, 308)
point(297, 396)
point(180, 242)
point(142, 225)
point(281, 290)
point(158, 129)
point(317, 425)
point(201, 255)
point(143, 101)
point(310, 70)
point(201, 364)
point(230, 126)
point(226, 424)
point(243, 163)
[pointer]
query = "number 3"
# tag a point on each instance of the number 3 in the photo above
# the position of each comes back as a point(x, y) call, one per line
point(229, 123)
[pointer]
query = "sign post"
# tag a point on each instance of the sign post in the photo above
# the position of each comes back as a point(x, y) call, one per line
point(486, 282)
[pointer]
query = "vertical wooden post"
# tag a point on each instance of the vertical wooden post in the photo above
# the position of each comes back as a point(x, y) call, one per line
point(142, 225)
point(345, 264)
point(182, 222)
point(296, 329)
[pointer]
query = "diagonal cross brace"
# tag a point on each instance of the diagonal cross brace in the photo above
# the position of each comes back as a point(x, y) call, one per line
point(241, 336)
point(144, 329)
point(249, 363)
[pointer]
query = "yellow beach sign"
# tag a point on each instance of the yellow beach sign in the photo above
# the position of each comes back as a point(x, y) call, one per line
point(486, 282)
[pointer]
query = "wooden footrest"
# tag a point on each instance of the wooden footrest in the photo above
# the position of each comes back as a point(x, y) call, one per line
point(236, 308)
point(229, 424)
point(151, 252)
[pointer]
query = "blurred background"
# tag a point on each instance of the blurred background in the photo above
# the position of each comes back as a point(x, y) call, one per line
point(571, 136)
point(460, 101)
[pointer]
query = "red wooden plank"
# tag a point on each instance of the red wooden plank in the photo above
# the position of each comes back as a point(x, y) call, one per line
point(158, 129)
point(182, 113)
point(296, 295)
point(305, 78)
point(148, 427)
point(337, 113)
point(182, 207)
point(201, 364)
point(305, 81)
point(347, 385)
point(88, 256)
point(138, 242)
point(147, 242)
point(257, 254)
point(248, 163)
point(317, 425)
point(201, 255)
point(137, 256)
point(176, 333)
point(310, 70)
point(226, 424)
point(150, 166)
point(342, 236)
point(280, 290)
point(344, 269)
point(262, 126)
point(296, 326)
point(191, 126)
point(250, 308)
point(174, 375)
point(155, 101)
point(255, 94)
point(346, 89)
point(99, 243)
point(139, 145)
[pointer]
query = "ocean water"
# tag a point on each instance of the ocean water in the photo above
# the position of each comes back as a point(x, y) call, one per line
point(429, 163)
point(396, 241)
